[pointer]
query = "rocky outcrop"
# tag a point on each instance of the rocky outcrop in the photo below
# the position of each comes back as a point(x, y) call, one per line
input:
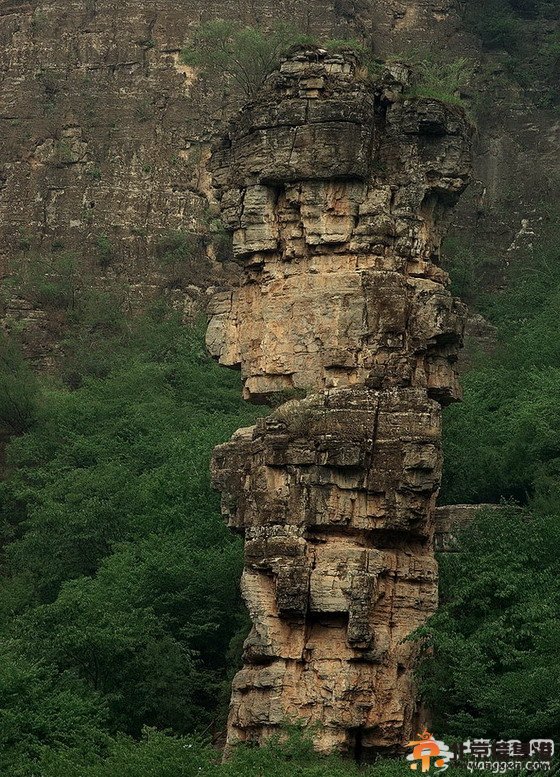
point(336, 191)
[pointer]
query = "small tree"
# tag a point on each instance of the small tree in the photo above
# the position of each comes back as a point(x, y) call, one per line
point(244, 54)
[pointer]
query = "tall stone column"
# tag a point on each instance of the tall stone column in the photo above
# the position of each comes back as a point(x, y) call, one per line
point(336, 192)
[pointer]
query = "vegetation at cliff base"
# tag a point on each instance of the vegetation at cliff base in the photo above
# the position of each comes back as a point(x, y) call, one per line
point(493, 648)
point(120, 616)
point(492, 664)
point(503, 440)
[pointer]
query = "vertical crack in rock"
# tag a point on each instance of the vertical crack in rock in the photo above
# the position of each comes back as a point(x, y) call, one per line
point(337, 191)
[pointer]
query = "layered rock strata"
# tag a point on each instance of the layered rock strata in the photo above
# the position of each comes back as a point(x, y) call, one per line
point(336, 189)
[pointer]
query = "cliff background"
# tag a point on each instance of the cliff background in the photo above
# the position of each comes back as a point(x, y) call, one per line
point(105, 137)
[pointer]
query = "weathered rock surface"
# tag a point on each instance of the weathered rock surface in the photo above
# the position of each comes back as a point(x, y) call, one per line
point(336, 191)
point(335, 196)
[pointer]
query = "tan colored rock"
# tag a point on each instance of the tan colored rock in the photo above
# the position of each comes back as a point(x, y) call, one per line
point(336, 192)
point(335, 201)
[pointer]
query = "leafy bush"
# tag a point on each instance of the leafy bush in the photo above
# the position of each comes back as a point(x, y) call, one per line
point(97, 331)
point(105, 250)
point(51, 281)
point(94, 173)
point(221, 240)
point(470, 270)
point(178, 246)
point(441, 80)
point(527, 9)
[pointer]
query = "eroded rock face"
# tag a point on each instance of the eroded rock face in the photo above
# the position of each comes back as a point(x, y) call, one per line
point(335, 196)
point(336, 192)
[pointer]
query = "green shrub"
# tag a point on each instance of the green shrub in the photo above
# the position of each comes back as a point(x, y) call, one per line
point(94, 173)
point(470, 270)
point(527, 9)
point(96, 333)
point(493, 670)
point(25, 242)
point(221, 240)
point(50, 281)
point(441, 80)
point(244, 54)
point(104, 250)
point(177, 246)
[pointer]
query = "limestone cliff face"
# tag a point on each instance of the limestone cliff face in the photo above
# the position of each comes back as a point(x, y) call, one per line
point(105, 136)
point(337, 193)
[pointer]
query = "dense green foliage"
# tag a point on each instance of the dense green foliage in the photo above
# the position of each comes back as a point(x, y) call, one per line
point(119, 596)
point(163, 755)
point(503, 441)
point(495, 670)
point(19, 390)
point(494, 667)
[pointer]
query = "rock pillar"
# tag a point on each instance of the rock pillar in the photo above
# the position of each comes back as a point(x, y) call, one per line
point(336, 189)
